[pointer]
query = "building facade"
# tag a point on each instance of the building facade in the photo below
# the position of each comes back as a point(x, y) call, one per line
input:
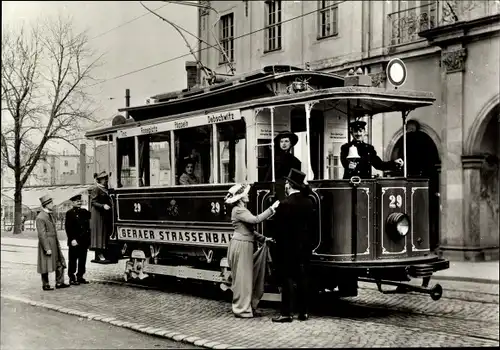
point(50, 170)
point(449, 47)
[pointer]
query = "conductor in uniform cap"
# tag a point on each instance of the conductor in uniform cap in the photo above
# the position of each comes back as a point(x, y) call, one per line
point(77, 225)
point(362, 166)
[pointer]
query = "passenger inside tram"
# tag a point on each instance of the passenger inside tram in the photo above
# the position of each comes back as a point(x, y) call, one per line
point(188, 177)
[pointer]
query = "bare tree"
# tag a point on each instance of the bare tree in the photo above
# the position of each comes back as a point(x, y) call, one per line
point(46, 72)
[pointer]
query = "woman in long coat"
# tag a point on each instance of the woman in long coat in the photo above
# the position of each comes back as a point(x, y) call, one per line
point(101, 215)
point(50, 255)
point(240, 250)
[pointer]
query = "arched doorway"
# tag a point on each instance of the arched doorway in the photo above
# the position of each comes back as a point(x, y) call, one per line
point(484, 143)
point(422, 161)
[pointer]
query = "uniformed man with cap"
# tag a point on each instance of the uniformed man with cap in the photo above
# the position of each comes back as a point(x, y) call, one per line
point(361, 164)
point(77, 225)
point(50, 256)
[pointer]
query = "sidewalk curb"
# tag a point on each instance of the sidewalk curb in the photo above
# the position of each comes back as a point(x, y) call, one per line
point(154, 331)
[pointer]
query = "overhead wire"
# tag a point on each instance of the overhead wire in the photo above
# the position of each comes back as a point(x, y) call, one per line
point(209, 73)
point(125, 23)
point(212, 46)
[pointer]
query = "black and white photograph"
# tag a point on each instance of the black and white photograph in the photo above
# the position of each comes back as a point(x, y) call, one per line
point(250, 174)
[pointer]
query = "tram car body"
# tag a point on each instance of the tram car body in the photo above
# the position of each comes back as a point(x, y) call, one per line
point(374, 230)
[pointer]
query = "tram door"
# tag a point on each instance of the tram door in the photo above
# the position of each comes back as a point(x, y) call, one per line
point(316, 126)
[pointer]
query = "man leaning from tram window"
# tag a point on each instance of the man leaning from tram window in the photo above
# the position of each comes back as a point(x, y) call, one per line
point(368, 157)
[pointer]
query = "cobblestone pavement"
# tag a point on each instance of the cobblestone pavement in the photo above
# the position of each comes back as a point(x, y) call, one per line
point(467, 314)
point(54, 330)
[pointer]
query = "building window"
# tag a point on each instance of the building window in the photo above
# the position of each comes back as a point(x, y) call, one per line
point(45, 170)
point(328, 18)
point(65, 163)
point(273, 26)
point(226, 37)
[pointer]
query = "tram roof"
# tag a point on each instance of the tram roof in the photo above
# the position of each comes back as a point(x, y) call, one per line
point(363, 101)
point(241, 88)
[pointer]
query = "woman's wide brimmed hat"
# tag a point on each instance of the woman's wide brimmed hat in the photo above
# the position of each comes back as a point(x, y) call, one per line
point(296, 177)
point(293, 138)
point(237, 192)
point(102, 175)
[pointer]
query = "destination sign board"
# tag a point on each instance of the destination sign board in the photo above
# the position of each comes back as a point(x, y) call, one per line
point(174, 236)
point(190, 122)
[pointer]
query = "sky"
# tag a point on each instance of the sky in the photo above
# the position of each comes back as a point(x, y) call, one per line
point(135, 44)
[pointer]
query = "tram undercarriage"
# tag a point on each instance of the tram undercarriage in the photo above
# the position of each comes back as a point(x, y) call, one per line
point(211, 265)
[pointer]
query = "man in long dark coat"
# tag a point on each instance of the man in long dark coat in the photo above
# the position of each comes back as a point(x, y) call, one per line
point(50, 256)
point(101, 222)
point(368, 157)
point(78, 232)
point(293, 245)
point(284, 160)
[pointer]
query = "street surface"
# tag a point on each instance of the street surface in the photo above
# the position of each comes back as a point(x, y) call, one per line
point(29, 327)
point(466, 315)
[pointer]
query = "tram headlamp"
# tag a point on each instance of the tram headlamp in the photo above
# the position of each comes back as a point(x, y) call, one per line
point(398, 224)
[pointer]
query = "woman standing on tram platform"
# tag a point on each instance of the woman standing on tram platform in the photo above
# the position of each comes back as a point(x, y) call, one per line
point(240, 251)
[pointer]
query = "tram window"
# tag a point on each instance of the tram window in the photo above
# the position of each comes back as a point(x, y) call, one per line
point(232, 151)
point(125, 159)
point(159, 163)
point(263, 158)
point(193, 154)
point(316, 129)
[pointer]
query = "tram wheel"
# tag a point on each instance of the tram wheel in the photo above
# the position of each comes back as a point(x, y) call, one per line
point(437, 292)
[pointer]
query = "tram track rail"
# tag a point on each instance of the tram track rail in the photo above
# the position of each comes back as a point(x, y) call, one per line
point(364, 311)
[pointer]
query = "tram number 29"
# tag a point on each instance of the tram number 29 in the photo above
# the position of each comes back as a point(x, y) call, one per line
point(137, 207)
point(215, 207)
point(395, 201)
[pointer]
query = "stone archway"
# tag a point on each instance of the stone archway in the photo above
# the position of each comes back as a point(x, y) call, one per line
point(398, 135)
point(482, 179)
point(430, 144)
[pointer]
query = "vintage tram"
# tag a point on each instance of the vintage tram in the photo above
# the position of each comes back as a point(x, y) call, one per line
point(374, 230)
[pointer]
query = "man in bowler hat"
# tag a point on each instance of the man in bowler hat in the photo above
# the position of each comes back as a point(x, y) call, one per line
point(368, 157)
point(293, 245)
point(78, 231)
point(50, 256)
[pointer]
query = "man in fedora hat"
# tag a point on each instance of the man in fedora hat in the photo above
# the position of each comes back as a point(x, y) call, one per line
point(293, 248)
point(368, 157)
point(50, 256)
point(284, 160)
point(78, 231)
